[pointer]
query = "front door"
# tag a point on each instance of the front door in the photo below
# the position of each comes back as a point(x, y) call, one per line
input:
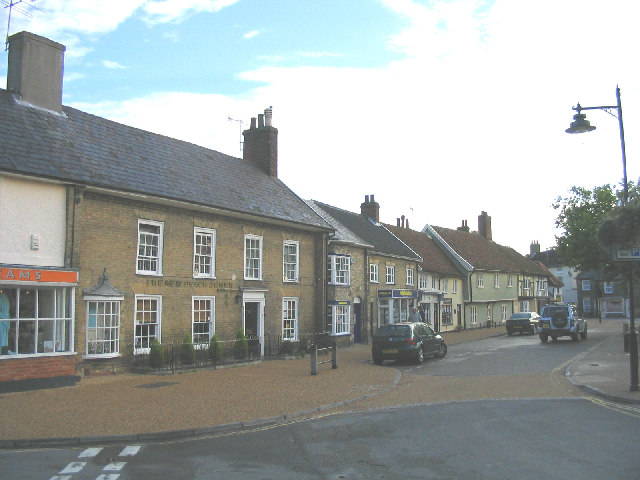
point(251, 315)
point(357, 328)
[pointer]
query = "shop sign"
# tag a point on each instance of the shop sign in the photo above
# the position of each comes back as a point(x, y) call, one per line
point(36, 275)
point(447, 301)
point(397, 294)
point(339, 302)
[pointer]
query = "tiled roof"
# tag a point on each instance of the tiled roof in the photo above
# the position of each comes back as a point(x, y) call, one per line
point(374, 234)
point(433, 257)
point(88, 150)
point(484, 254)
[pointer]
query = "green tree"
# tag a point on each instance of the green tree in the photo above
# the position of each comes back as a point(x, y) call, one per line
point(581, 215)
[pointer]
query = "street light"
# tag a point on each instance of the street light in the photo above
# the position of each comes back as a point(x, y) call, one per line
point(580, 124)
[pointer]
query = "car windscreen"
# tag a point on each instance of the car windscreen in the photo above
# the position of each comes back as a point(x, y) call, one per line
point(394, 331)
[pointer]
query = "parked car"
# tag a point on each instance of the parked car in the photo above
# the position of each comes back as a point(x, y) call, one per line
point(557, 320)
point(522, 322)
point(406, 341)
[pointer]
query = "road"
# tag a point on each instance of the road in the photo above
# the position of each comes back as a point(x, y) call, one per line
point(498, 408)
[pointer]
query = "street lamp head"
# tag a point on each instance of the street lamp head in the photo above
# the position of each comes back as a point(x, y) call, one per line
point(580, 124)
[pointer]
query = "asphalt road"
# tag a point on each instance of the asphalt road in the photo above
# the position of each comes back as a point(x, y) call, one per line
point(497, 408)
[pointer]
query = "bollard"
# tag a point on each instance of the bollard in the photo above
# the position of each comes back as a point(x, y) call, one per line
point(625, 337)
point(314, 359)
point(334, 356)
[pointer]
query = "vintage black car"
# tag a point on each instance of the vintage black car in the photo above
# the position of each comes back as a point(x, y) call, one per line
point(411, 341)
point(522, 322)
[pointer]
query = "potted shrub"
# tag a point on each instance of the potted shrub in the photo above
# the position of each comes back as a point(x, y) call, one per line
point(156, 355)
point(215, 349)
point(187, 351)
point(241, 346)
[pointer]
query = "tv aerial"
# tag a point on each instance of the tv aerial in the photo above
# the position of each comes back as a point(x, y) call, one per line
point(13, 5)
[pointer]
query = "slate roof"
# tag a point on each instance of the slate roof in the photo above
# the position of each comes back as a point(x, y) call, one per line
point(433, 257)
point(484, 254)
point(88, 150)
point(374, 234)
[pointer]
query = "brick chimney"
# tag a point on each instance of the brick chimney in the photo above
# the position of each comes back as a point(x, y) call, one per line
point(484, 225)
point(464, 227)
point(261, 144)
point(35, 70)
point(534, 248)
point(370, 208)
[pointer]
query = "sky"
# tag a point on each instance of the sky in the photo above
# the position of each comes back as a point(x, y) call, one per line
point(442, 109)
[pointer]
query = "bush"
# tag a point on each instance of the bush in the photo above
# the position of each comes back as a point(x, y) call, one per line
point(287, 347)
point(156, 356)
point(187, 351)
point(241, 346)
point(215, 349)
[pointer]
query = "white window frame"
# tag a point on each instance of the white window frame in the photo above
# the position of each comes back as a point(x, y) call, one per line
point(510, 281)
point(586, 285)
point(480, 280)
point(445, 285)
point(290, 269)
point(496, 280)
point(410, 276)
point(373, 273)
point(474, 315)
point(148, 255)
point(104, 323)
point(503, 309)
point(586, 304)
point(390, 275)
point(455, 286)
point(137, 347)
point(340, 318)
point(339, 269)
point(200, 258)
point(526, 283)
point(196, 319)
point(290, 318)
point(434, 282)
point(252, 254)
point(608, 287)
point(423, 281)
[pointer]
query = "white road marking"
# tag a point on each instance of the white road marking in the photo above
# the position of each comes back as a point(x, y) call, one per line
point(114, 466)
point(90, 452)
point(130, 450)
point(73, 467)
point(110, 476)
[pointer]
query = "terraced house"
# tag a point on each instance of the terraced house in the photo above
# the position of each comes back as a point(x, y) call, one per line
point(499, 281)
point(372, 275)
point(113, 237)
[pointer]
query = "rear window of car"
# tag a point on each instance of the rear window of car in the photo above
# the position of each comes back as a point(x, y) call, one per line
point(394, 331)
point(549, 311)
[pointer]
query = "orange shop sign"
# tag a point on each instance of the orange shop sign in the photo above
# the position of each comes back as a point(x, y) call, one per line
point(35, 275)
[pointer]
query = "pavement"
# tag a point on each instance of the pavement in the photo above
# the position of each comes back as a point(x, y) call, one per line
point(145, 408)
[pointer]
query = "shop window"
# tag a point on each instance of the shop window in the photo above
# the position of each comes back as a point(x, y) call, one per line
point(149, 247)
point(290, 318)
point(202, 320)
point(148, 321)
point(339, 319)
point(204, 244)
point(35, 320)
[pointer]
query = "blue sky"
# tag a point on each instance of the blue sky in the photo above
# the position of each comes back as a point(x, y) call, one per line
point(441, 109)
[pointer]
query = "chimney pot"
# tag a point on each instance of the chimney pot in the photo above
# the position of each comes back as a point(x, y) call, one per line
point(261, 145)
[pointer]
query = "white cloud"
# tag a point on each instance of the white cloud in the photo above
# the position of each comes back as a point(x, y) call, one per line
point(163, 11)
point(471, 119)
point(251, 34)
point(113, 65)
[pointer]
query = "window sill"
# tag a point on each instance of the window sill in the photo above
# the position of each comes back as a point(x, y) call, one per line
point(346, 334)
point(93, 356)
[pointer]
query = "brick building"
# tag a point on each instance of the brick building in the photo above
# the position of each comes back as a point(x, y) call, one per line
point(114, 236)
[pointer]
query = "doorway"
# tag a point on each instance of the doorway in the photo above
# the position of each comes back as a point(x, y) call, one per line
point(253, 317)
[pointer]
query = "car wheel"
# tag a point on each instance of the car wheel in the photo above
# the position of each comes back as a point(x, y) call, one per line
point(377, 360)
point(509, 333)
point(442, 351)
point(575, 337)
point(554, 338)
point(544, 338)
point(420, 356)
point(583, 334)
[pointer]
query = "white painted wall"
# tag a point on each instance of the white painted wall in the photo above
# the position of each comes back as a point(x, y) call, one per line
point(32, 208)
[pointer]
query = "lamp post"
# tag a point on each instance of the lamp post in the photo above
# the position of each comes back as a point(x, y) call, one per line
point(580, 124)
